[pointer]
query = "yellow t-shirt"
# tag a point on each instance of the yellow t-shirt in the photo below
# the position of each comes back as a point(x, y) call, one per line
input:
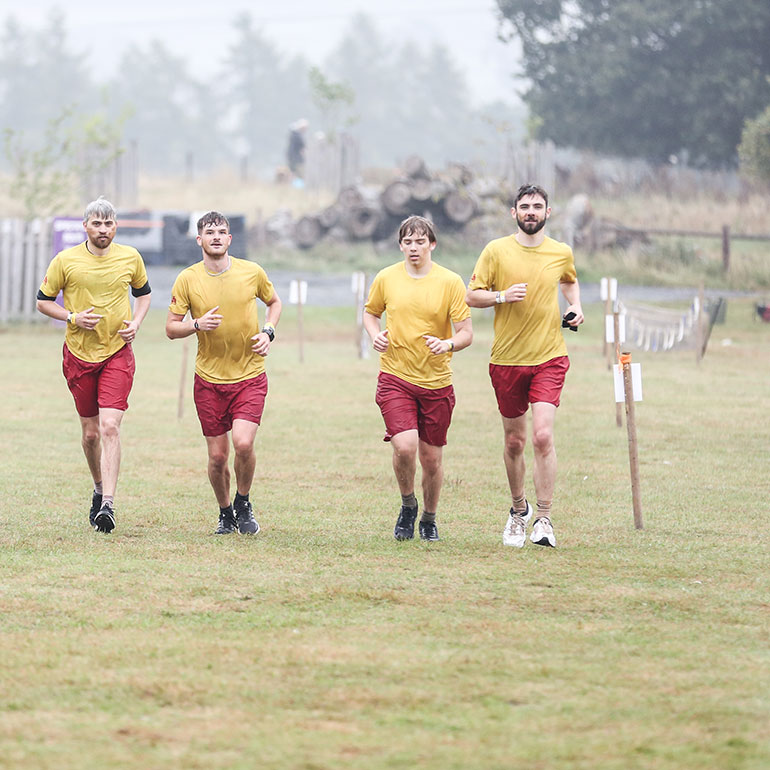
point(527, 333)
point(417, 306)
point(224, 354)
point(102, 282)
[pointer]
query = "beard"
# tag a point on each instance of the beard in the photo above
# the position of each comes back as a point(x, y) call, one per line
point(101, 241)
point(532, 226)
point(215, 252)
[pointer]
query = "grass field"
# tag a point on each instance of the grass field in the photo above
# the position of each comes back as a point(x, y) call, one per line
point(322, 643)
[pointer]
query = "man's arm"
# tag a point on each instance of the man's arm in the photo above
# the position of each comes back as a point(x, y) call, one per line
point(261, 339)
point(85, 319)
point(571, 292)
point(273, 312)
point(53, 310)
point(379, 338)
point(177, 327)
point(462, 338)
point(463, 335)
point(486, 298)
point(141, 306)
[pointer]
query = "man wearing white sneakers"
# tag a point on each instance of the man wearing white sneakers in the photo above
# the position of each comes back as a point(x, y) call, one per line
point(518, 275)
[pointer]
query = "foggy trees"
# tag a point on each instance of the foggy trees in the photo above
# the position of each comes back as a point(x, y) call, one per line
point(263, 95)
point(39, 76)
point(650, 79)
point(49, 145)
point(398, 98)
point(410, 98)
point(167, 112)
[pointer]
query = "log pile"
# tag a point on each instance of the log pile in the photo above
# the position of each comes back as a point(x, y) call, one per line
point(451, 199)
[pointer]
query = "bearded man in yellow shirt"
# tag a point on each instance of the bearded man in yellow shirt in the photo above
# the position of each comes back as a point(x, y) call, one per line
point(423, 302)
point(220, 294)
point(98, 362)
point(519, 276)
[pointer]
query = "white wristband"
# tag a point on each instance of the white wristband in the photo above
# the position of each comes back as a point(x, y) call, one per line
point(500, 298)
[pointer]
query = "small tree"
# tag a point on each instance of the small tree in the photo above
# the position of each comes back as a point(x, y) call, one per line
point(332, 100)
point(754, 149)
point(47, 178)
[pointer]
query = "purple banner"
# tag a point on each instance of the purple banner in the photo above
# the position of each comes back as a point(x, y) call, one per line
point(67, 232)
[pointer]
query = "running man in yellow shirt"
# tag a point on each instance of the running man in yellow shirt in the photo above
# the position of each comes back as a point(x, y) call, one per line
point(98, 362)
point(422, 302)
point(220, 294)
point(519, 276)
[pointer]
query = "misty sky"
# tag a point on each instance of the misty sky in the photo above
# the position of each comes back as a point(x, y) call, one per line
point(200, 32)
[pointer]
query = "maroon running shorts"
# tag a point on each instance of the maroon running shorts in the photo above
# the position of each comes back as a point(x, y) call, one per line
point(516, 387)
point(409, 407)
point(219, 403)
point(102, 385)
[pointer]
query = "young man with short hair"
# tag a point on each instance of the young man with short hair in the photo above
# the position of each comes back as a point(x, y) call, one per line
point(98, 361)
point(422, 302)
point(220, 294)
point(519, 276)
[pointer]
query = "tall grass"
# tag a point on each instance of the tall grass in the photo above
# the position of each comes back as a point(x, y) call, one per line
point(323, 643)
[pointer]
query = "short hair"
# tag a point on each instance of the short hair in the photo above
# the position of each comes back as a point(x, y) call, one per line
point(213, 218)
point(417, 225)
point(530, 189)
point(101, 208)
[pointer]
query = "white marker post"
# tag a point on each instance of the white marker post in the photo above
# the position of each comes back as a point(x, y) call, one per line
point(631, 391)
point(700, 330)
point(298, 297)
point(358, 287)
point(616, 334)
point(608, 290)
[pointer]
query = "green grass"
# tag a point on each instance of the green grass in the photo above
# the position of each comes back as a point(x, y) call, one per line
point(322, 643)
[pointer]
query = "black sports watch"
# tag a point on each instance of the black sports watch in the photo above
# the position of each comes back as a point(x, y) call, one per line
point(269, 330)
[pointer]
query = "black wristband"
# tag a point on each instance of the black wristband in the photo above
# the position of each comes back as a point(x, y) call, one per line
point(195, 324)
point(270, 331)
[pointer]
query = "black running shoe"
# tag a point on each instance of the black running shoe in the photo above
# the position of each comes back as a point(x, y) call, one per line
point(429, 530)
point(247, 524)
point(404, 529)
point(96, 504)
point(104, 521)
point(227, 523)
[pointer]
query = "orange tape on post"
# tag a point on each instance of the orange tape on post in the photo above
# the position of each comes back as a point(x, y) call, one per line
point(624, 358)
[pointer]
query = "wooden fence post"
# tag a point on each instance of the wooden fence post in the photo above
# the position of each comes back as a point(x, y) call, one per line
point(699, 330)
point(633, 452)
point(726, 248)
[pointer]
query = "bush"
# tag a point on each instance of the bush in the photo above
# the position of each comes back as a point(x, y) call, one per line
point(754, 149)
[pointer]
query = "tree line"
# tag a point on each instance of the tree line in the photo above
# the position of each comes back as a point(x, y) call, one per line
point(397, 99)
point(684, 82)
point(656, 79)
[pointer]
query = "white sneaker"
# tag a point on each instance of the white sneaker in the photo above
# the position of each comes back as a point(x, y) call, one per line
point(515, 532)
point(542, 532)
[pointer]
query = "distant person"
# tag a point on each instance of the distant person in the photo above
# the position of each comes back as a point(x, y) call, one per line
point(219, 293)
point(98, 362)
point(422, 301)
point(519, 275)
point(295, 152)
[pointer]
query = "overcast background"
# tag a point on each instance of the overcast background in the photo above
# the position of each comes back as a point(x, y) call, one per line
point(201, 32)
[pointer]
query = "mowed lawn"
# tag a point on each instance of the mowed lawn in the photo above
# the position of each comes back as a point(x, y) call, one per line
point(321, 643)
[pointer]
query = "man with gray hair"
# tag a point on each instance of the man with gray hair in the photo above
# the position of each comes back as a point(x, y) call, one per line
point(98, 362)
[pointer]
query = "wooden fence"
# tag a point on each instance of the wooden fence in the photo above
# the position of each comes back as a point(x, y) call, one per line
point(118, 180)
point(332, 163)
point(533, 163)
point(25, 251)
point(725, 235)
